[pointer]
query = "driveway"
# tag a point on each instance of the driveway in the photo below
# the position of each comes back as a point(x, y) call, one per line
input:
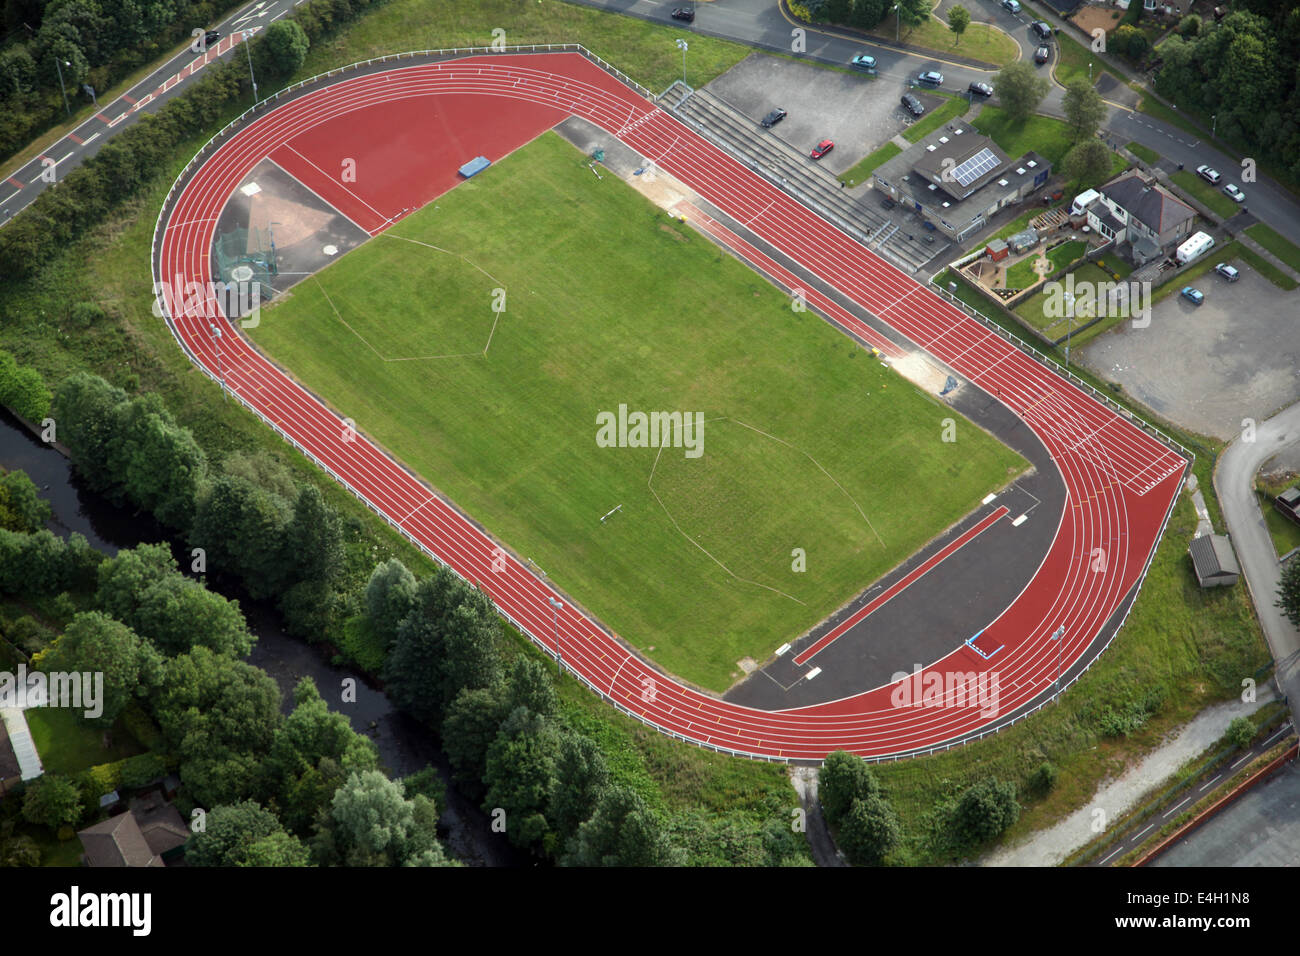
point(1207, 367)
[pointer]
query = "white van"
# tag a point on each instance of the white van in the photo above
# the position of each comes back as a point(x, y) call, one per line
point(1083, 201)
point(1193, 248)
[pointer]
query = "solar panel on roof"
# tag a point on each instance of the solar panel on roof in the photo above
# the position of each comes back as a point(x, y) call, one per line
point(975, 167)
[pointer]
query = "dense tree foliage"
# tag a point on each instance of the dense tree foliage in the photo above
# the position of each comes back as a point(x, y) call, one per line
point(623, 832)
point(984, 810)
point(229, 832)
point(53, 801)
point(371, 822)
point(1020, 89)
point(94, 642)
point(21, 508)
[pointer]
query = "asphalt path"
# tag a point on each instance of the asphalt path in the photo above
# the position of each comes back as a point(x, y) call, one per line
point(1234, 477)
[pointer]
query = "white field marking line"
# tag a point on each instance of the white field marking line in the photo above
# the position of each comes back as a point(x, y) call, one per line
point(987, 498)
point(1021, 520)
point(822, 470)
point(417, 508)
point(650, 484)
point(760, 212)
point(189, 222)
point(1172, 810)
point(289, 146)
point(617, 671)
point(812, 673)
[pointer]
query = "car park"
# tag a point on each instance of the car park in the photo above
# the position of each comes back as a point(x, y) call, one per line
point(930, 78)
point(1194, 296)
point(912, 104)
point(1209, 174)
point(980, 89)
point(1011, 6)
point(1042, 54)
point(1233, 192)
point(864, 62)
point(1228, 272)
point(822, 148)
point(774, 117)
point(684, 13)
point(1042, 30)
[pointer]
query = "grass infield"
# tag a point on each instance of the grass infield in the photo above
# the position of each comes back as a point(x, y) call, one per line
point(808, 443)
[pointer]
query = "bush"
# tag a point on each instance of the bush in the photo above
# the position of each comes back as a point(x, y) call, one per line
point(85, 314)
point(141, 770)
point(1043, 780)
point(1240, 733)
point(984, 811)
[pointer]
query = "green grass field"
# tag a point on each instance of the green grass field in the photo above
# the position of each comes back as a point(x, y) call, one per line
point(610, 302)
point(1276, 243)
point(956, 106)
point(864, 167)
point(1050, 138)
point(1144, 153)
point(1208, 195)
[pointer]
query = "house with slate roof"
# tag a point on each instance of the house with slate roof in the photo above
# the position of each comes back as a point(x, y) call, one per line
point(1145, 221)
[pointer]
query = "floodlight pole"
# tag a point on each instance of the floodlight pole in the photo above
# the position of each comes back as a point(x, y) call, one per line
point(58, 65)
point(216, 341)
point(682, 45)
point(1058, 636)
point(555, 620)
point(898, 19)
point(248, 34)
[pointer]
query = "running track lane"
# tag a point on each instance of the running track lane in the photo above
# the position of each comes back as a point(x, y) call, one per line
point(1120, 482)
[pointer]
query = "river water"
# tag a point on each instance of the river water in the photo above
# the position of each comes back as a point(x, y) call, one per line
point(404, 747)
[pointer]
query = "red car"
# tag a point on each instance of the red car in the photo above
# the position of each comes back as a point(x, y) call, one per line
point(822, 148)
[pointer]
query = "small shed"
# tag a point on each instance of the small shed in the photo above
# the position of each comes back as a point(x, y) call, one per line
point(1213, 560)
point(1288, 502)
point(997, 250)
point(1024, 240)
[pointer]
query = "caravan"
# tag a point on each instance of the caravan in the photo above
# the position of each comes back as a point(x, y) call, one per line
point(1193, 248)
point(1083, 201)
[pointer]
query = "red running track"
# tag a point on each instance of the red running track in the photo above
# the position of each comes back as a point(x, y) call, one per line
point(1120, 481)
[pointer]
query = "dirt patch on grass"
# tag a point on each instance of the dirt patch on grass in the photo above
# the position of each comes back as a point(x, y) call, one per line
point(1090, 18)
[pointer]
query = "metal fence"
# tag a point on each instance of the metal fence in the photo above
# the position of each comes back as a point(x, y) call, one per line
point(541, 642)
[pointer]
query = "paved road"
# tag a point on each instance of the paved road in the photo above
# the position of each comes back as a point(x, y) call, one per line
point(20, 189)
point(1233, 480)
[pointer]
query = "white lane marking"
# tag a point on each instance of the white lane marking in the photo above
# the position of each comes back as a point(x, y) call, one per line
point(812, 673)
point(1019, 521)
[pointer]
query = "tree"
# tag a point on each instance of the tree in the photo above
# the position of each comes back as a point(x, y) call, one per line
point(1240, 733)
point(913, 13)
point(219, 716)
point(160, 464)
point(868, 13)
point(623, 832)
point(230, 831)
point(869, 831)
point(843, 778)
point(581, 778)
point(471, 725)
point(1084, 110)
point(178, 613)
point(241, 528)
point(21, 508)
point(984, 810)
point(958, 21)
point(17, 849)
point(390, 596)
point(1130, 42)
point(1288, 592)
point(94, 642)
point(372, 823)
point(1020, 89)
point(519, 769)
point(53, 801)
point(123, 579)
point(83, 410)
point(279, 849)
point(315, 538)
point(282, 49)
point(1043, 779)
point(1088, 163)
point(529, 685)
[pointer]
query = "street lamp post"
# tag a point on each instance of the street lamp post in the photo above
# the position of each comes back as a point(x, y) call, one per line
point(221, 372)
point(682, 45)
point(59, 65)
point(897, 21)
point(1090, 73)
point(247, 34)
point(1058, 636)
point(1069, 327)
point(555, 620)
point(1214, 125)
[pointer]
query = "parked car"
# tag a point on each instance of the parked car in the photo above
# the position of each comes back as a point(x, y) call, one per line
point(912, 104)
point(980, 89)
point(822, 148)
point(1234, 193)
point(1194, 296)
point(1042, 54)
point(1209, 174)
point(1011, 6)
point(1042, 30)
point(864, 62)
point(930, 78)
point(211, 37)
point(684, 13)
point(1228, 272)
point(774, 117)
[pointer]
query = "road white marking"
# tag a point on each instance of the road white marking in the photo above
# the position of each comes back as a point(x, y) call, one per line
point(1019, 521)
point(1171, 810)
point(90, 139)
point(812, 673)
point(782, 649)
